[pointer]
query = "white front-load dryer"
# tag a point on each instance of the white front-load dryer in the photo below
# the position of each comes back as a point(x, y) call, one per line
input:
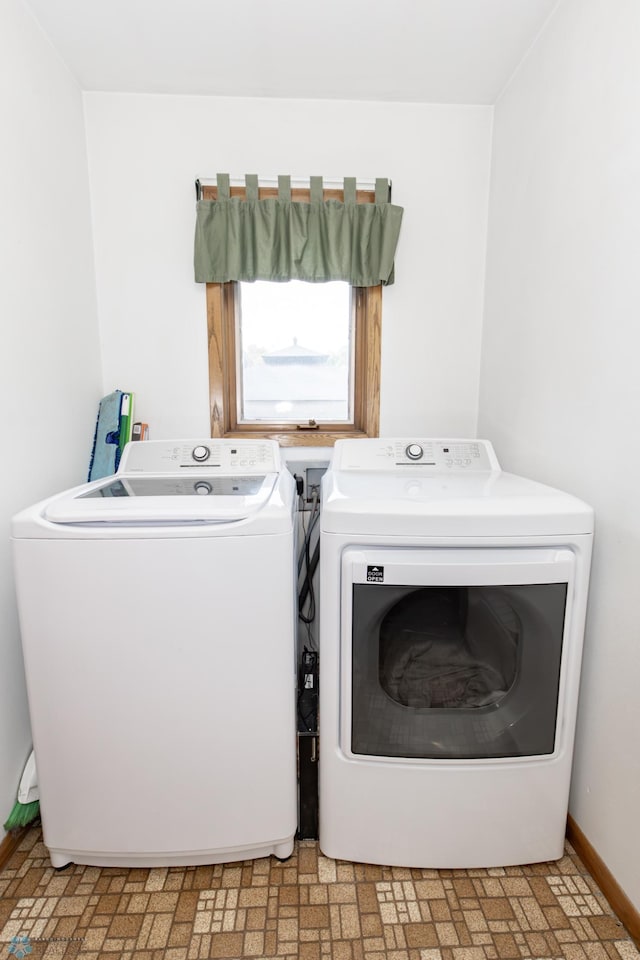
point(451, 627)
point(157, 613)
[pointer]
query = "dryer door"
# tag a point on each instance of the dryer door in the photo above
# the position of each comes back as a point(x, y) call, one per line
point(453, 655)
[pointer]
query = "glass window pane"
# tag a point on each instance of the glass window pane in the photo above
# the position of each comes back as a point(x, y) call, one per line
point(296, 352)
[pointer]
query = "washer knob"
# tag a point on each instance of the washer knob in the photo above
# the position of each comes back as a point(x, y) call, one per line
point(414, 451)
point(203, 488)
point(201, 454)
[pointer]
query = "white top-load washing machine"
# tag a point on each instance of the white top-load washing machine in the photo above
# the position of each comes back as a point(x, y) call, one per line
point(451, 626)
point(157, 612)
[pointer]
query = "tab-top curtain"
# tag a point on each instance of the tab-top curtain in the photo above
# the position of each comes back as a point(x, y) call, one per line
point(281, 239)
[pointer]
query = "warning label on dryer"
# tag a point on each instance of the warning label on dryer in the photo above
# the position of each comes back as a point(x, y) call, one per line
point(375, 574)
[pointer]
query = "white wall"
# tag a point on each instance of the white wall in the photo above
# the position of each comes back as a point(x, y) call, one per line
point(144, 155)
point(49, 374)
point(560, 386)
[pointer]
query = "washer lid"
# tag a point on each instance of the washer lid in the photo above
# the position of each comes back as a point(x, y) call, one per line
point(139, 499)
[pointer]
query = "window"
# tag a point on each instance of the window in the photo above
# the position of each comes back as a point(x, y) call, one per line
point(293, 361)
point(306, 377)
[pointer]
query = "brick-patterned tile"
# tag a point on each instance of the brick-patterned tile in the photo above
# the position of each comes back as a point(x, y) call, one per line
point(309, 908)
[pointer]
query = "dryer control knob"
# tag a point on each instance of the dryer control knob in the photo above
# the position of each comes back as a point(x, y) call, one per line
point(414, 451)
point(201, 454)
point(202, 488)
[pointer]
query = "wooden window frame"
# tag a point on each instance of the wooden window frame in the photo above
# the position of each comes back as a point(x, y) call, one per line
point(222, 308)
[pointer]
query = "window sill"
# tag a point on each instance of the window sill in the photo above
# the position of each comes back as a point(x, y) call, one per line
point(302, 438)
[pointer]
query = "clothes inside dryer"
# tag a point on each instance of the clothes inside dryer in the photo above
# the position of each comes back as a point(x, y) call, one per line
point(446, 647)
point(456, 672)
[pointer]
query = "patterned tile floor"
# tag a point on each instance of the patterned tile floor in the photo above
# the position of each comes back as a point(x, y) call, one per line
point(310, 908)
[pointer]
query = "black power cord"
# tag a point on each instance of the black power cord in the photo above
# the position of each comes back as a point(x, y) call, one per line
point(309, 564)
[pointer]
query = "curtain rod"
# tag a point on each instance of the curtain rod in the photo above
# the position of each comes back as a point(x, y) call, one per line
point(297, 183)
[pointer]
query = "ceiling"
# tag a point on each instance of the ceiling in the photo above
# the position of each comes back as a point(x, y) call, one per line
point(437, 51)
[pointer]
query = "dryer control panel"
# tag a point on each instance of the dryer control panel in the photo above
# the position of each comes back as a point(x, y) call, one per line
point(425, 455)
point(211, 456)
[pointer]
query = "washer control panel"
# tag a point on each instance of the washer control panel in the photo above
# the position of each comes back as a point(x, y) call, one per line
point(223, 457)
point(432, 456)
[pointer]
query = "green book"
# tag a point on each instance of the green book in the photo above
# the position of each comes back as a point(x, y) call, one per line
point(126, 420)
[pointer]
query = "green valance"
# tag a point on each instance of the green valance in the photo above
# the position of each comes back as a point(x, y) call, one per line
point(281, 239)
